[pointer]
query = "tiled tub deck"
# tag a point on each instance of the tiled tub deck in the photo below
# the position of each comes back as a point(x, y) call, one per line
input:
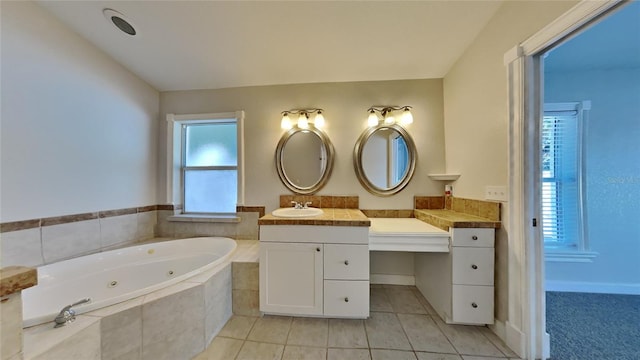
point(177, 322)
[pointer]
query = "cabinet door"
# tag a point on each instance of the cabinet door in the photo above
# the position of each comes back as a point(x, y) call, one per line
point(291, 278)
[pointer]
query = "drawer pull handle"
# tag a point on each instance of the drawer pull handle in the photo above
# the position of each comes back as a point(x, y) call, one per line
point(346, 262)
point(474, 267)
point(474, 305)
point(346, 299)
point(474, 237)
point(318, 249)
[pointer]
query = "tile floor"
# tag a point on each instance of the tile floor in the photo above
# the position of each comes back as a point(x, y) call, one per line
point(402, 325)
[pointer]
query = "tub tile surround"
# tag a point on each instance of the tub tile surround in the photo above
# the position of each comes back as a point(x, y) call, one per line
point(43, 241)
point(176, 322)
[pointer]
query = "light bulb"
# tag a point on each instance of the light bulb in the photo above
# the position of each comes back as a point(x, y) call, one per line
point(303, 123)
point(407, 118)
point(389, 119)
point(373, 119)
point(286, 122)
point(319, 120)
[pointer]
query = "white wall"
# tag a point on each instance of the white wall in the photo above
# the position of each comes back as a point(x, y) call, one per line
point(476, 128)
point(612, 159)
point(78, 131)
point(345, 106)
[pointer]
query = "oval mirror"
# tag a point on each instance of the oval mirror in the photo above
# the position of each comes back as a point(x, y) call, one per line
point(384, 159)
point(304, 159)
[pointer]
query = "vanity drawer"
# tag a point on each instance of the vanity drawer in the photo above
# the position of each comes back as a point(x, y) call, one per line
point(346, 298)
point(472, 304)
point(473, 237)
point(473, 266)
point(346, 262)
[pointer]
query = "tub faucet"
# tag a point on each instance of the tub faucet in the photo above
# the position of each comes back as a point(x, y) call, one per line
point(67, 314)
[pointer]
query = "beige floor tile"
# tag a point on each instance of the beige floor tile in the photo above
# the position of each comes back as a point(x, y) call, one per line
point(392, 355)
point(238, 327)
point(495, 340)
point(385, 332)
point(348, 354)
point(304, 353)
point(271, 329)
point(468, 340)
point(347, 333)
point(260, 351)
point(378, 300)
point(424, 302)
point(424, 334)
point(403, 300)
point(435, 356)
point(309, 332)
point(221, 349)
point(473, 357)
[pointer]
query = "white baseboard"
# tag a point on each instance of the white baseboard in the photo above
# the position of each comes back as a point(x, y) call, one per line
point(392, 279)
point(515, 340)
point(604, 288)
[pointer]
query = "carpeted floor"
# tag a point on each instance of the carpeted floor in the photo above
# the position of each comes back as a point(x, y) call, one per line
point(585, 326)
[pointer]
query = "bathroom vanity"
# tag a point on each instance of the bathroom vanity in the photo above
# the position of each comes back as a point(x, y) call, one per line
point(315, 266)
point(460, 284)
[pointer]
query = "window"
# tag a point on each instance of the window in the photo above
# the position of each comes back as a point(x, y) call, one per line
point(206, 162)
point(562, 215)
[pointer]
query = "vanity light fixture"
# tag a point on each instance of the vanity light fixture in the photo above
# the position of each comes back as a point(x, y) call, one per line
point(387, 115)
point(303, 121)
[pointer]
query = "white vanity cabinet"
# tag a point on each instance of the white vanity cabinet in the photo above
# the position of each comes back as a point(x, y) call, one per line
point(314, 270)
point(460, 284)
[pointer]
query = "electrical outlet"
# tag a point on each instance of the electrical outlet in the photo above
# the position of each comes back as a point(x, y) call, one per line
point(498, 193)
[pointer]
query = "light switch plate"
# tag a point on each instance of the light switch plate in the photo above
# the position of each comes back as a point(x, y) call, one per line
point(498, 193)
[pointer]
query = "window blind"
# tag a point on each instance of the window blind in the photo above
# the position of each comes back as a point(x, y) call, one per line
point(560, 191)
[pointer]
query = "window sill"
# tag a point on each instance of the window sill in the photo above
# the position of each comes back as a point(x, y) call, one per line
point(231, 218)
point(570, 256)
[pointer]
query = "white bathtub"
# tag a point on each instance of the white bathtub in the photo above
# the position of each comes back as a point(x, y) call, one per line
point(114, 276)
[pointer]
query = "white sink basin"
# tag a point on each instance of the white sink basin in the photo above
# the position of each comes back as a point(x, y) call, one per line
point(297, 213)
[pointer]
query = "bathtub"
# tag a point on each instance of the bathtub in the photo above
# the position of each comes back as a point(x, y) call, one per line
point(114, 276)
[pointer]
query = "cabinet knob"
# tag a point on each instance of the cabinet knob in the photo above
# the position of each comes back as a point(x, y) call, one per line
point(474, 237)
point(346, 262)
point(346, 299)
point(318, 249)
point(474, 305)
point(474, 267)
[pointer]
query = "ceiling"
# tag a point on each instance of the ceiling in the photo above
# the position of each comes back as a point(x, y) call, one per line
point(612, 42)
point(184, 45)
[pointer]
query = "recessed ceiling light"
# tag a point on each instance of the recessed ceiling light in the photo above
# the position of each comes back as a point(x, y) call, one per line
point(120, 21)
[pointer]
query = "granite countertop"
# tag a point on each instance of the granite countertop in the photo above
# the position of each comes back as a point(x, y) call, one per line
point(445, 219)
point(17, 278)
point(331, 217)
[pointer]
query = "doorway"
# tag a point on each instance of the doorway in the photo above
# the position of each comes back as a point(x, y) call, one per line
point(589, 132)
point(526, 260)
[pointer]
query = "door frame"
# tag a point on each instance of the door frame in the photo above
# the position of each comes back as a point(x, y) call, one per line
point(525, 332)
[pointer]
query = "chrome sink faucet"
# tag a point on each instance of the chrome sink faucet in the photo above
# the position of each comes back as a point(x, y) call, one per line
point(67, 314)
point(297, 205)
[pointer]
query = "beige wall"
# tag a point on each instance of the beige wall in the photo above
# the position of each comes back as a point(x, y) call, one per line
point(78, 131)
point(476, 128)
point(475, 95)
point(345, 106)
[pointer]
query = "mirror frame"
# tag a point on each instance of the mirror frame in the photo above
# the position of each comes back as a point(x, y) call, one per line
point(357, 160)
point(308, 190)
